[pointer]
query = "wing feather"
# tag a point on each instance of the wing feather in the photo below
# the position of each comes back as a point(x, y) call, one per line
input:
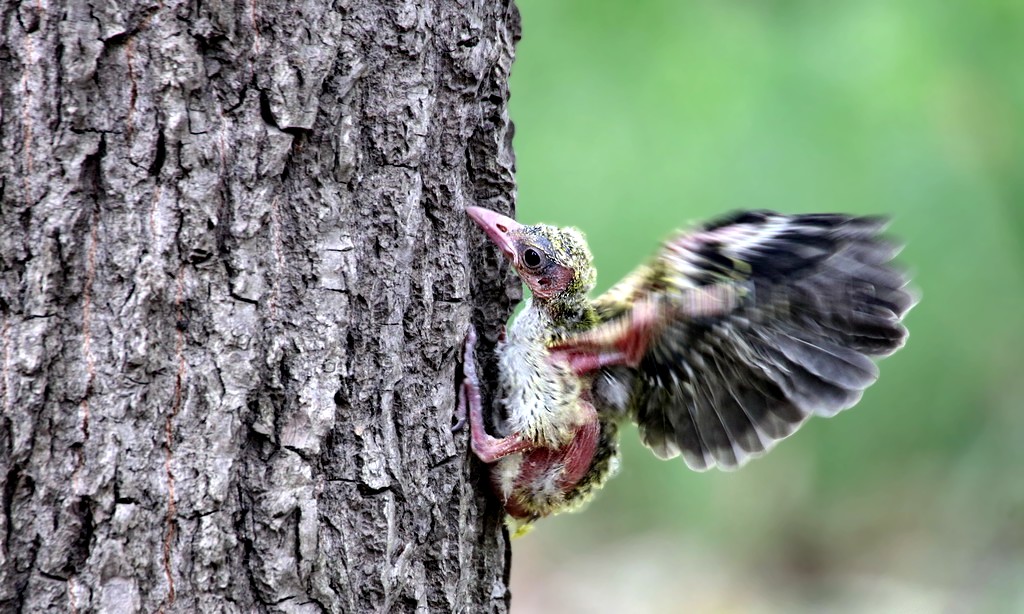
point(764, 320)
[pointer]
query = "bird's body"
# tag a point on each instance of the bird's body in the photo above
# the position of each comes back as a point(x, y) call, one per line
point(723, 345)
point(550, 405)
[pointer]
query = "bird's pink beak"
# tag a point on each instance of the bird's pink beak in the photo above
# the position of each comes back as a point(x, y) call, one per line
point(497, 227)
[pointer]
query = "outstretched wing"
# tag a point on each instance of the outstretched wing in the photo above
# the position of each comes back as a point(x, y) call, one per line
point(762, 321)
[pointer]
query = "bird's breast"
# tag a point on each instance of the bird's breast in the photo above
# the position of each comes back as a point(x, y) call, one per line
point(541, 396)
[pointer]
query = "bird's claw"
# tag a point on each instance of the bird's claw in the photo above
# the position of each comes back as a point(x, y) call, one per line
point(460, 423)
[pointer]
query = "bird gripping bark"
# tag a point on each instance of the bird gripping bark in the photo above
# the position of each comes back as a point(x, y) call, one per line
point(722, 345)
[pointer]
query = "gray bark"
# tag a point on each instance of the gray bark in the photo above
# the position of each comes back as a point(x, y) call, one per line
point(235, 275)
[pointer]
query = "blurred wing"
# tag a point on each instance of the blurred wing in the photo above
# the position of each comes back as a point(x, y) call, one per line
point(763, 320)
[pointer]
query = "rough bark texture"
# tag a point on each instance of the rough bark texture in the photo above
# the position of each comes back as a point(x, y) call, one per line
point(235, 275)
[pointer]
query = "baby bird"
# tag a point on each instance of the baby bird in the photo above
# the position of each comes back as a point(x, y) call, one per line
point(721, 346)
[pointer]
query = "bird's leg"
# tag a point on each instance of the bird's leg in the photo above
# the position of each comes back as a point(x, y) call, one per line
point(487, 448)
point(579, 454)
point(619, 342)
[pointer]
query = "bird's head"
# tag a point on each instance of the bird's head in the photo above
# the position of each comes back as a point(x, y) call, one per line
point(554, 262)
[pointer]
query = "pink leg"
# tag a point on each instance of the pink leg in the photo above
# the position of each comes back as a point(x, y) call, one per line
point(582, 364)
point(615, 343)
point(487, 448)
point(579, 455)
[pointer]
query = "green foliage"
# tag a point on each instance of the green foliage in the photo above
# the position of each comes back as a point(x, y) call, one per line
point(634, 118)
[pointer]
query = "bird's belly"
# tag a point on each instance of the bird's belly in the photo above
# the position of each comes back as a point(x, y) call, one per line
point(536, 483)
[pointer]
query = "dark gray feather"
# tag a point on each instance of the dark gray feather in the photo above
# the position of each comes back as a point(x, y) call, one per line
point(816, 297)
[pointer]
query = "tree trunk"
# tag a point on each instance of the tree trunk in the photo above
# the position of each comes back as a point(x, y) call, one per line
point(235, 275)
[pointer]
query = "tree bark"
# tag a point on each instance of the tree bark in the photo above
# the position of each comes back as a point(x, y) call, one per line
point(235, 276)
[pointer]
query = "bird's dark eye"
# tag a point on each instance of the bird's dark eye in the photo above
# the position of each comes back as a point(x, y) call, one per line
point(531, 258)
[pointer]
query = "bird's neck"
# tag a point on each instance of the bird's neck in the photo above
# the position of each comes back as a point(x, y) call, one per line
point(570, 313)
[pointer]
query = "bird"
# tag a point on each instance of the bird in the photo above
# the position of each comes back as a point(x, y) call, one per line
point(723, 344)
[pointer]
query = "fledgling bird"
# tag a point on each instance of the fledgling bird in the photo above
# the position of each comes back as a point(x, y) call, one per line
point(722, 345)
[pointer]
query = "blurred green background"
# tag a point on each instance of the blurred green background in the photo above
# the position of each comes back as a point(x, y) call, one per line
point(634, 118)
